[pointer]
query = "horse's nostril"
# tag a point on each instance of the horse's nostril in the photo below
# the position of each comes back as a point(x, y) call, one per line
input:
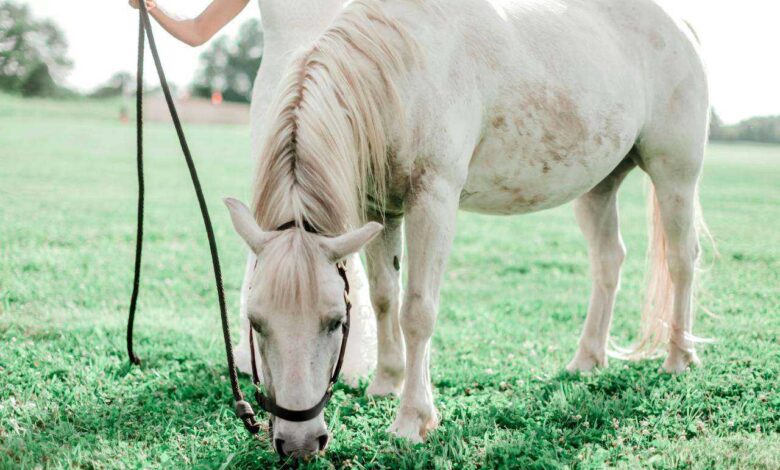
point(279, 445)
point(323, 441)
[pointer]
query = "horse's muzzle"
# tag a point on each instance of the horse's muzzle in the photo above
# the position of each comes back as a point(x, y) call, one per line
point(289, 447)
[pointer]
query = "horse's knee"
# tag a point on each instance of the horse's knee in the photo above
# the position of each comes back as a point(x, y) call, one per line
point(418, 317)
point(384, 295)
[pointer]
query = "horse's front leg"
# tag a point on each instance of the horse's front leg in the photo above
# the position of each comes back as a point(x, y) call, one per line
point(429, 229)
point(383, 257)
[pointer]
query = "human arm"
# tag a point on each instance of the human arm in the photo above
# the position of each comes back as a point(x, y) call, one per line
point(198, 30)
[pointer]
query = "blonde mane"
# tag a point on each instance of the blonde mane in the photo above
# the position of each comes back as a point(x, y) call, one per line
point(325, 151)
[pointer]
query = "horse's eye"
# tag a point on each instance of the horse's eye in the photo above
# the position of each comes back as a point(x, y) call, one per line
point(334, 325)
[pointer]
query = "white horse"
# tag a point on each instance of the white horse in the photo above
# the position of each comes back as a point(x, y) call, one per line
point(286, 27)
point(406, 110)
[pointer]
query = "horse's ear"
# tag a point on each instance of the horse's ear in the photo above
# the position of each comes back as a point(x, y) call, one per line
point(246, 226)
point(340, 247)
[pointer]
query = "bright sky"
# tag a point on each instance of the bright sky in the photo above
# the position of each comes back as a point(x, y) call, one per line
point(740, 45)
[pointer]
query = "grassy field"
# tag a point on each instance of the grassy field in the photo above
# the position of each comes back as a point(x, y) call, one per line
point(514, 301)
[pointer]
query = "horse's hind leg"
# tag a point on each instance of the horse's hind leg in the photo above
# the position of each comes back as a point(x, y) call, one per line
point(675, 176)
point(597, 215)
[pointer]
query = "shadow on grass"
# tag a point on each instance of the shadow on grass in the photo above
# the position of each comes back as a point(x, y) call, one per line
point(92, 404)
point(174, 400)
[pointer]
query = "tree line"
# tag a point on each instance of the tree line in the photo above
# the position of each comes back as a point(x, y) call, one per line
point(757, 129)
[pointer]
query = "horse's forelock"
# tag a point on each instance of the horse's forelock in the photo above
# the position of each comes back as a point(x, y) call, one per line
point(290, 271)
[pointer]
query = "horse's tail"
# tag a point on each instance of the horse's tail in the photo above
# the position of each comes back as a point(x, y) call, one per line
point(658, 305)
point(659, 296)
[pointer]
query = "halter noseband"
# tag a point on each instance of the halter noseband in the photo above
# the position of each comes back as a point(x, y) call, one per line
point(267, 403)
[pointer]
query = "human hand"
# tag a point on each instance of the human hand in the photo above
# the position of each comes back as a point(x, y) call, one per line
point(150, 4)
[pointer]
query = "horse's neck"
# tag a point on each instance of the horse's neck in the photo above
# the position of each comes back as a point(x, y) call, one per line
point(289, 24)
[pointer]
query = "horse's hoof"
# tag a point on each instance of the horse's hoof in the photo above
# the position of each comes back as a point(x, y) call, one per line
point(585, 362)
point(384, 385)
point(412, 426)
point(679, 361)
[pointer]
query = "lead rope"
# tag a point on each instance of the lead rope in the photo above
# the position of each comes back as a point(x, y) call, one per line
point(242, 408)
point(139, 236)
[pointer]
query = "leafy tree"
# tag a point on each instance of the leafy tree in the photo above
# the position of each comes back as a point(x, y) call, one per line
point(230, 65)
point(33, 53)
point(39, 82)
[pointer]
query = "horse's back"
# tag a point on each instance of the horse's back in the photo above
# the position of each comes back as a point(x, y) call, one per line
point(584, 42)
point(565, 89)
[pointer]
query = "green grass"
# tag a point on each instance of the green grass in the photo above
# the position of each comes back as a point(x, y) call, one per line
point(514, 301)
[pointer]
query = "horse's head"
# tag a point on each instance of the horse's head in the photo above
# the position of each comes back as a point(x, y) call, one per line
point(297, 307)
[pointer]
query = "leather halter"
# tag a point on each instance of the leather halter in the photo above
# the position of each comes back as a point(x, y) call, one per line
point(267, 403)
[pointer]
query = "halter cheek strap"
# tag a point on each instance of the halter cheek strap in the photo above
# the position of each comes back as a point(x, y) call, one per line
point(267, 403)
